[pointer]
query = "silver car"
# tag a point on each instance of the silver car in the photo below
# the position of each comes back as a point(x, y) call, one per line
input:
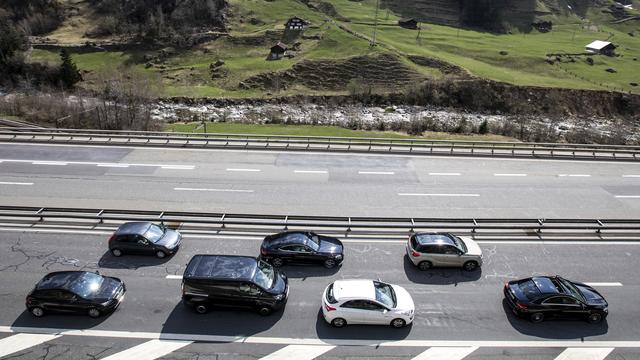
point(427, 250)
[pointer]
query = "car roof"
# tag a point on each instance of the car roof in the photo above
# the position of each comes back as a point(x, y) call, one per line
point(287, 237)
point(58, 280)
point(435, 239)
point(136, 228)
point(354, 289)
point(222, 267)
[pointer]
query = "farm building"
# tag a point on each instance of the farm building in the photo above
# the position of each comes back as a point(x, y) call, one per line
point(408, 23)
point(601, 47)
point(277, 51)
point(295, 23)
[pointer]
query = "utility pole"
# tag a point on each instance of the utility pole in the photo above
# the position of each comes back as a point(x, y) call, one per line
point(375, 24)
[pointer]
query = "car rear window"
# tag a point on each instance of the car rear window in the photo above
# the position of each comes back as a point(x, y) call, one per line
point(530, 289)
point(330, 298)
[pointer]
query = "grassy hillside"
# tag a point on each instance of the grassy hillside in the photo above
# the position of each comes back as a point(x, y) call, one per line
point(342, 30)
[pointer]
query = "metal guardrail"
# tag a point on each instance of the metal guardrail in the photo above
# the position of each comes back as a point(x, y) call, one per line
point(323, 144)
point(224, 223)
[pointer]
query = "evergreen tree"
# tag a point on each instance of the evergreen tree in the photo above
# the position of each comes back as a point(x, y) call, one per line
point(69, 73)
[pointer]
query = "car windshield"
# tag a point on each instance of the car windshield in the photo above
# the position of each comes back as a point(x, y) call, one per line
point(460, 244)
point(264, 275)
point(154, 233)
point(313, 241)
point(385, 294)
point(87, 285)
point(571, 289)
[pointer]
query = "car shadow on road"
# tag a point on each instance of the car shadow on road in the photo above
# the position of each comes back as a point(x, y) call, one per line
point(220, 321)
point(439, 276)
point(307, 271)
point(58, 321)
point(373, 333)
point(133, 262)
point(555, 329)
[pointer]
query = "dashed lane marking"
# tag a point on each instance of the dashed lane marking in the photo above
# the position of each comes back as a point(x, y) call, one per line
point(627, 196)
point(52, 163)
point(446, 353)
point(510, 175)
point(174, 277)
point(439, 195)
point(213, 190)
point(585, 353)
point(376, 172)
point(19, 342)
point(631, 176)
point(15, 183)
point(150, 350)
point(99, 164)
point(298, 352)
point(114, 165)
point(311, 171)
point(574, 175)
point(603, 284)
point(243, 170)
point(444, 174)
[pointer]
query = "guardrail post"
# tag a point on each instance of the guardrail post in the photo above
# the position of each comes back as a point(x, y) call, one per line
point(475, 225)
point(100, 216)
point(601, 225)
point(413, 225)
point(222, 221)
point(411, 146)
point(473, 146)
point(513, 150)
point(161, 218)
point(349, 227)
point(40, 212)
point(540, 223)
point(329, 144)
point(369, 145)
point(286, 222)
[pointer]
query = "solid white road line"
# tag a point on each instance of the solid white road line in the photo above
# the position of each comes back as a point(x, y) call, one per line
point(54, 163)
point(574, 175)
point(442, 195)
point(150, 350)
point(310, 171)
point(178, 167)
point(509, 175)
point(446, 353)
point(244, 170)
point(212, 190)
point(445, 174)
point(376, 172)
point(627, 196)
point(584, 353)
point(174, 277)
point(603, 284)
point(298, 352)
point(19, 342)
point(631, 176)
point(114, 165)
point(15, 183)
point(125, 334)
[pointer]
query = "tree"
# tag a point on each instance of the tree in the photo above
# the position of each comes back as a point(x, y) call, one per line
point(11, 39)
point(69, 73)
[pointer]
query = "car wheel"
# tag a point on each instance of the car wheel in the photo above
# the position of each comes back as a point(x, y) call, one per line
point(536, 317)
point(470, 265)
point(595, 318)
point(37, 311)
point(339, 322)
point(264, 311)
point(94, 313)
point(329, 263)
point(116, 252)
point(277, 262)
point(425, 265)
point(398, 323)
point(161, 254)
point(201, 309)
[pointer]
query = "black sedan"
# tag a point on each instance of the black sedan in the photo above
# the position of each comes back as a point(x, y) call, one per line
point(76, 292)
point(302, 247)
point(546, 297)
point(144, 238)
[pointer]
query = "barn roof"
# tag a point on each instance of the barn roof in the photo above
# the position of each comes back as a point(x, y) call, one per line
point(598, 45)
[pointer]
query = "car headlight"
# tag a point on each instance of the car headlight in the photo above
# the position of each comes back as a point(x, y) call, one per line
point(338, 257)
point(406, 312)
point(279, 297)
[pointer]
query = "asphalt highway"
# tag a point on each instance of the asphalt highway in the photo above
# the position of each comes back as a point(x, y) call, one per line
point(451, 305)
point(315, 184)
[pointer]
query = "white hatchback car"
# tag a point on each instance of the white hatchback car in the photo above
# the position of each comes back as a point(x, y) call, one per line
point(367, 302)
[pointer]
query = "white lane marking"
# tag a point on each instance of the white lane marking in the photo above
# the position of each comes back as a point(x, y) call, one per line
point(445, 174)
point(174, 277)
point(603, 284)
point(125, 334)
point(574, 175)
point(178, 167)
point(584, 353)
point(19, 342)
point(54, 163)
point(114, 165)
point(442, 195)
point(446, 353)
point(376, 172)
point(15, 183)
point(150, 350)
point(627, 196)
point(298, 352)
point(244, 170)
point(631, 176)
point(310, 171)
point(212, 190)
point(510, 175)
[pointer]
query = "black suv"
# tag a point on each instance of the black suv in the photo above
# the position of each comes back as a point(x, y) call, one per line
point(144, 238)
point(302, 247)
point(75, 292)
point(233, 281)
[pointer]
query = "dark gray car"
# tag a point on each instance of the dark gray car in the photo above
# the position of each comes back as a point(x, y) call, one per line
point(144, 238)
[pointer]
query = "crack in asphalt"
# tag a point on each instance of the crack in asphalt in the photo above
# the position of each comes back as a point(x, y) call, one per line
point(17, 249)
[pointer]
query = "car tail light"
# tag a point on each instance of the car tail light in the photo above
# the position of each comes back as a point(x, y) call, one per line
point(112, 238)
point(30, 300)
point(415, 253)
point(263, 251)
point(329, 307)
point(521, 306)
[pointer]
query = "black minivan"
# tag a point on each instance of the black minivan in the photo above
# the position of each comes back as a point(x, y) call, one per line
point(211, 281)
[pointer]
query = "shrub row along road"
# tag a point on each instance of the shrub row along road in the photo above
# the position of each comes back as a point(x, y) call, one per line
point(451, 305)
point(315, 184)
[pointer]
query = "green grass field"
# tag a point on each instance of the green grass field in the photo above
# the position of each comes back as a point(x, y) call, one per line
point(318, 130)
point(186, 72)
